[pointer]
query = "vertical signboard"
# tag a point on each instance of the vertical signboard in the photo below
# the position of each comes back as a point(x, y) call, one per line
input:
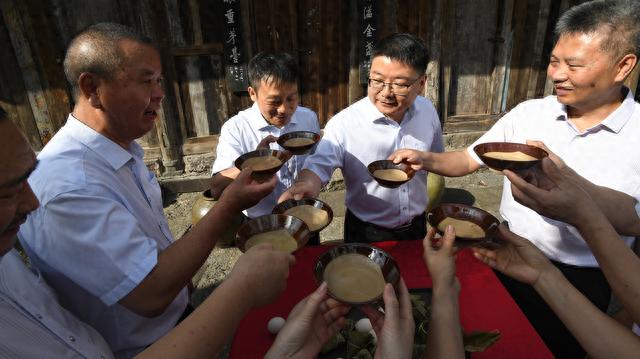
point(234, 57)
point(367, 36)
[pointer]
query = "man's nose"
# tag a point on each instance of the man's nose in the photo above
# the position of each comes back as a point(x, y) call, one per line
point(28, 200)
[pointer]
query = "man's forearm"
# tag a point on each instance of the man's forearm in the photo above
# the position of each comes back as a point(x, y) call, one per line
point(599, 335)
point(445, 335)
point(178, 263)
point(617, 261)
point(450, 164)
point(207, 330)
point(619, 207)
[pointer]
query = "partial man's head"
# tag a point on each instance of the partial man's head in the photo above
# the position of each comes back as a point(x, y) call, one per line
point(116, 75)
point(397, 73)
point(273, 85)
point(17, 161)
point(597, 47)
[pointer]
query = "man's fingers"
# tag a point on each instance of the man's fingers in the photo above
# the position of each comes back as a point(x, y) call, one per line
point(485, 259)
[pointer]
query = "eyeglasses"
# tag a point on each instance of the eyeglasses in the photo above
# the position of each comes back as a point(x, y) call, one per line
point(396, 88)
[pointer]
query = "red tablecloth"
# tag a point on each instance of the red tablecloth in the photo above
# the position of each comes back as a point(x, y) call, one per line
point(484, 303)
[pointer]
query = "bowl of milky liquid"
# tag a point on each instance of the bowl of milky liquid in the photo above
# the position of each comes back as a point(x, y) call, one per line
point(263, 162)
point(298, 142)
point(389, 174)
point(315, 213)
point(284, 233)
point(356, 273)
point(507, 155)
point(473, 226)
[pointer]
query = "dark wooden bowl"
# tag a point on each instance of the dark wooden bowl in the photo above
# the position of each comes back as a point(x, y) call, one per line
point(271, 222)
point(388, 266)
point(499, 165)
point(298, 150)
point(262, 175)
point(483, 219)
point(388, 164)
point(282, 207)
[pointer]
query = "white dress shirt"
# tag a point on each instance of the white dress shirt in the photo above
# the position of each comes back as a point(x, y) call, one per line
point(607, 154)
point(98, 233)
point(243, 132)
point(34, 325)
point(359, 135)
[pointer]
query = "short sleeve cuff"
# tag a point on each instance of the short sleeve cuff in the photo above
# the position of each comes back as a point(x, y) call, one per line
point(135, 276)
point(473, 155)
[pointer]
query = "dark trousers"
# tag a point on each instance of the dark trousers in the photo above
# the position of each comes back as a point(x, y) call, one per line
point(589, 281)
point(357, 230)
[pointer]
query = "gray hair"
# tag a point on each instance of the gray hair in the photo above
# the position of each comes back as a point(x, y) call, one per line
point(616, 20)
point(96, 50)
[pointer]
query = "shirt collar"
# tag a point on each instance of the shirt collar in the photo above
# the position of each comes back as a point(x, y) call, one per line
point(110, 151)
point(373, 114)
point(258, 122)
point(616, 119)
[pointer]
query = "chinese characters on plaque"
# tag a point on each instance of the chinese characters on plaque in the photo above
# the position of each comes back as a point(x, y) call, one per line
point(234, 58)
point(367, 36)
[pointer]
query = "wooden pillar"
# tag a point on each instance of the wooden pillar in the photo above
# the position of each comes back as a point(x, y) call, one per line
point(16, 29)
point(168, 125)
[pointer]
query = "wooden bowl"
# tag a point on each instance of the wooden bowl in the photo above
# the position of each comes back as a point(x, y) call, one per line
point(386, 165)
point(513, 165)
point(483, 219)
point(271, 222)
point(285, 141)
point(387, 264)
point(283, 207)
point(262, 174)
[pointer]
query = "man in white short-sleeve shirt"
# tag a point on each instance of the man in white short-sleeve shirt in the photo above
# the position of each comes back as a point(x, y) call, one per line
point(592, 126)
point(392, 116)
point(273, 89)
point(100, 237)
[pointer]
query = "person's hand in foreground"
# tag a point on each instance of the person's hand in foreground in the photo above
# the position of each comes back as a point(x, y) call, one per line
point(413, 158)
point(445, 335)
point(395, 327)
point(552, 194)
point(244, 192)
point(518, 258)
point(264, 143)
point(311, 323)
point(263, 272)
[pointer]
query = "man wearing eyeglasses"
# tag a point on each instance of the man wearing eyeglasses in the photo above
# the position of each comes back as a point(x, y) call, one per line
point(392, 116)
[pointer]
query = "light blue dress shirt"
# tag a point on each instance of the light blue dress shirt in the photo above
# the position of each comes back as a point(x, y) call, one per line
point(98, 233)
point(34, 325)
point(243, 132)
point(359, 135)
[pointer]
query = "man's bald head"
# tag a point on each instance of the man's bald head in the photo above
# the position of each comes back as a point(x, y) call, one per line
point(96, 50)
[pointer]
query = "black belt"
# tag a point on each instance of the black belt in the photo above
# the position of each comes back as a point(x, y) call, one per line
point(357, 230)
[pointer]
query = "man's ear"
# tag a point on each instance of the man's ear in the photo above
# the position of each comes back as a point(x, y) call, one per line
point(252, 94)
point(88, 84)
point(625, 66)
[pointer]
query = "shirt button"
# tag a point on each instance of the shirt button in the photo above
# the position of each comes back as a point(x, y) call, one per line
point(72, 338)
point(39, 316)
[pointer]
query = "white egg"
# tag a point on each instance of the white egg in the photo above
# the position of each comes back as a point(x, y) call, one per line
point(363, 325)
point(275, 324)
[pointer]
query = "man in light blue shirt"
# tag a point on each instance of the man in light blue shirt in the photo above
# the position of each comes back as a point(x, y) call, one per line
point(103, 242)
